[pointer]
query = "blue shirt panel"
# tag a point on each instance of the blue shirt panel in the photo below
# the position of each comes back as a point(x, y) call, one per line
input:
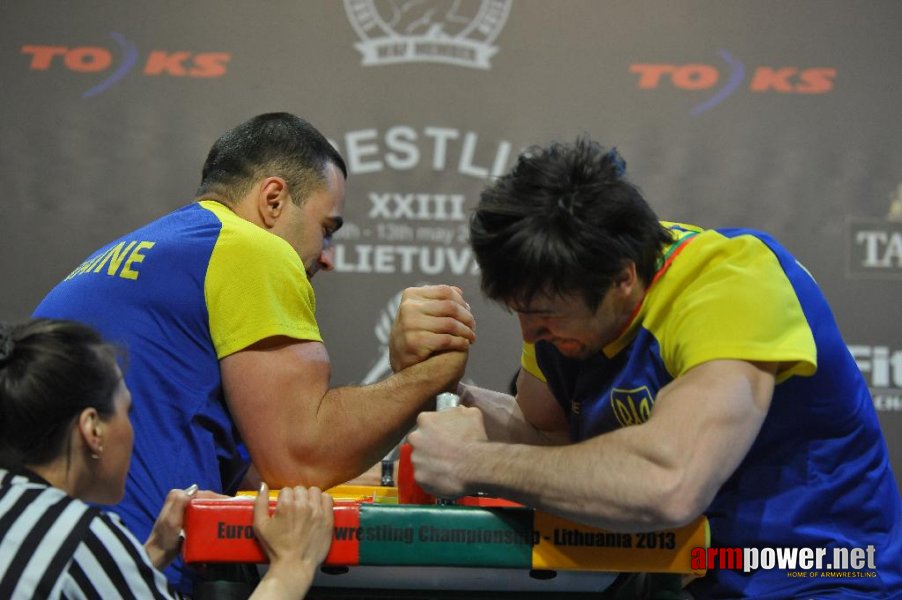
point(183, 431)
point(817, 475)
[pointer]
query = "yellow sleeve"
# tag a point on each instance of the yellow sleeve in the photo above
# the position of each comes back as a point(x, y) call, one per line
point(256, 288)
point(731, 300)
point(529, 363)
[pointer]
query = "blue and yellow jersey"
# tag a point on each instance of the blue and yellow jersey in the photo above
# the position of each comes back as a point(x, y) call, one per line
point(818, 473)
point(181, 293)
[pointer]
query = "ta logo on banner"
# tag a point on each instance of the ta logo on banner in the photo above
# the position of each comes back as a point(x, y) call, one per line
point(874, 245)
point(455, 32)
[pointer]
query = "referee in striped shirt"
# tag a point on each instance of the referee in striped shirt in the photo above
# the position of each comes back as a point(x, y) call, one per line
point(65, 442)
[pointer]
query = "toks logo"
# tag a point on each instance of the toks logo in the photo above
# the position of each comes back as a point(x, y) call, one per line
point(95, 59)
point(696, 76)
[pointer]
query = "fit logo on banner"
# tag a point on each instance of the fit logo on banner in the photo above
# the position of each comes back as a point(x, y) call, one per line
point(455, 32)
point(116, 64)
point(726, 80)
point(875, 246)
point(881, 367)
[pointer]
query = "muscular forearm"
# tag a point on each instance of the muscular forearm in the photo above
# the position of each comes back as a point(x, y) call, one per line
point(503, 419)
point(354, 427)
point(605, 482)
point(661, 473)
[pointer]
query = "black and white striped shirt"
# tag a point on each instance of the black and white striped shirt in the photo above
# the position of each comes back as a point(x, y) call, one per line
point(54, 546)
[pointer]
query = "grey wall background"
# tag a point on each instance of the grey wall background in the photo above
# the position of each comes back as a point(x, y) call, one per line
point(782, 116)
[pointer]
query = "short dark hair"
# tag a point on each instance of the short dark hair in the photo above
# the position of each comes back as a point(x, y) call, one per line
point(50, 371)
point(279, 144)
point(564, 220)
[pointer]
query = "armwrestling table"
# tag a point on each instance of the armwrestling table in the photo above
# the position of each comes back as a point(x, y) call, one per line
point(385, 549)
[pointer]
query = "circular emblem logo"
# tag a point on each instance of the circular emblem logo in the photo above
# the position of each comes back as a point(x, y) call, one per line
point(457, 32)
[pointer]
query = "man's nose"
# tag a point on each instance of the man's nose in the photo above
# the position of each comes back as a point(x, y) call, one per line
point(327, 259)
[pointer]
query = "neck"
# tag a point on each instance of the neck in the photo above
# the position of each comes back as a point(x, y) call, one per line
point(56, 473)
point(69, 472)
point(244, 208)
point(216, 198)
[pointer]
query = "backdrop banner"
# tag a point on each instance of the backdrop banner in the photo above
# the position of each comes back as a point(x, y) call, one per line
point(780, 116)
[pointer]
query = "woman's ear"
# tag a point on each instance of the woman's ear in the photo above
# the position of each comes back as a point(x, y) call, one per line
point(90, 428)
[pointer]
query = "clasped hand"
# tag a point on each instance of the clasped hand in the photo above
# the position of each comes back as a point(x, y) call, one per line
point(431, 319)
point(442, 443)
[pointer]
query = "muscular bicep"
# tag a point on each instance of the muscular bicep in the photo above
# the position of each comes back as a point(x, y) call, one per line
point(274, 389)
point(705, 421)
point(538, 404)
